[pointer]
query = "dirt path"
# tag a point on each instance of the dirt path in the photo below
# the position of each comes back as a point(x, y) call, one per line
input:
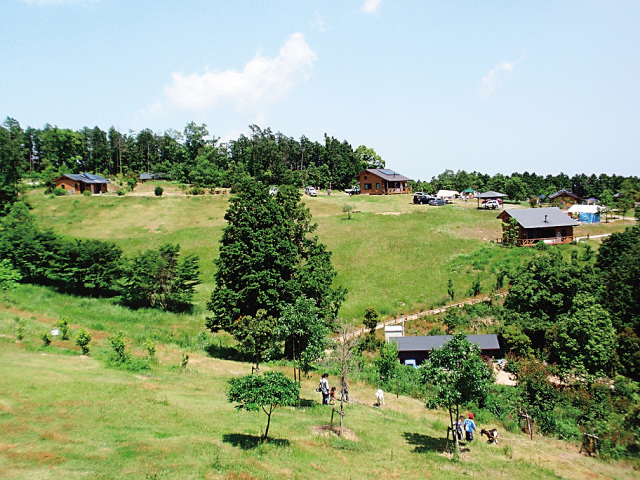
point(416, 316)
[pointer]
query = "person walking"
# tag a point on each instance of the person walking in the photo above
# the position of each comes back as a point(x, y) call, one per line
point(469, 428)
point(344, 392)
point(324, 388)
point(458, 425)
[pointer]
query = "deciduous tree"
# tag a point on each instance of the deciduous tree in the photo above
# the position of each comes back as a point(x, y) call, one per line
point(456, 375)
point(267, 392)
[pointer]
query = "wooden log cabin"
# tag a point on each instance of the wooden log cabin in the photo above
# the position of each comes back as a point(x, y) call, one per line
point(549, 225)
point(78, 183)
point(374, 181)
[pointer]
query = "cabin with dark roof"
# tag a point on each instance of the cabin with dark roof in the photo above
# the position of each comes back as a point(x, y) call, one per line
point(418, 348)
point(78, 183)
point(564, 198)
point(549, 225)
point(375, 181)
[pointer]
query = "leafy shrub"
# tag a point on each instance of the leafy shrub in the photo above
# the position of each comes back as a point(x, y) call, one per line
point(185, 360)
point(59, 192)
point(120, 354)
point(151, 348)
point(63, 326)
point(86, 193)
point(82, 340)
point(195, 190)
point(19, 329)
point(120, 192)
point(46, 338)
point(158, 191)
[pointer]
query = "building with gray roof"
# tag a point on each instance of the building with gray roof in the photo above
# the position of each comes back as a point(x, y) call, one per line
point(550, 225)
point(418, 348)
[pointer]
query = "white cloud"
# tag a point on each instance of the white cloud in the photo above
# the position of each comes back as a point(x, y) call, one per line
point(371, 6)
point(263, 80)
point(497, 75)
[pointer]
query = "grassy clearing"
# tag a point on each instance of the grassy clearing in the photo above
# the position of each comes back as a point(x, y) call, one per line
point(66, 416)
point(392, 255)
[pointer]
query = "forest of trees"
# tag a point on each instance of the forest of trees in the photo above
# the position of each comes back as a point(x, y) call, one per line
point(194, 156)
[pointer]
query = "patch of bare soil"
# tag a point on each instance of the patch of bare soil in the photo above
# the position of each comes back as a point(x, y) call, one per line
point(324, 431)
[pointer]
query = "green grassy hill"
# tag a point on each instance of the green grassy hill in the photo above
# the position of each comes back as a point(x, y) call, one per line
point(63, 415)
point(391, 255)
point(66, 416)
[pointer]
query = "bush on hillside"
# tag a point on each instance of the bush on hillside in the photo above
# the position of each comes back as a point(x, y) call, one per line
point(59, 192)
point(86, 193)
point(158, 191)
point(195, 190)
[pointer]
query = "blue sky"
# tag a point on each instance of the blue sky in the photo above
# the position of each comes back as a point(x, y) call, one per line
point(492, 86)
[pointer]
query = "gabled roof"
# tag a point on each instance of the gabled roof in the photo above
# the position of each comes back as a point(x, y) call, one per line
point(386, 174)
point(564, 191)
point(541, 217)
point(85, 177)
point(421, 344)
point(147, 176)
point(491, 194)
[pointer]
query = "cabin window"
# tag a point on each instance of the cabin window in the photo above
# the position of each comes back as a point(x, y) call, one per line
point(377, 186)
point(367, 186)
point(365, 177)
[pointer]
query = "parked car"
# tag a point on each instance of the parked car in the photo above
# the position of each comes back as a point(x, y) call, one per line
point(491, 204)
point(311, 191)
point(421, 198)
point(436, 202)
point(355, 190)
point(273, 190)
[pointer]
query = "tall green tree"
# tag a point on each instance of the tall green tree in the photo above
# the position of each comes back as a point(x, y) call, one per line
point(11, 158)
point(618, 265)
point(256, 336)
point(456, 374)
point(542, 291)
point(585, 339)
point(268, 259)
point(304, 332)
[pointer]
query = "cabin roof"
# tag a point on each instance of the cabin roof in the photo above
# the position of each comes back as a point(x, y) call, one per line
point(426, 343)
point(541, 217)
point(387, 174)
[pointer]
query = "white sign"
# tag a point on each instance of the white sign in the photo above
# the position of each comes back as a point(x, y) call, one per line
point(55, 332)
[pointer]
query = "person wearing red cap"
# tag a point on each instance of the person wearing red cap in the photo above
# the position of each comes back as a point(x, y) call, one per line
point(469, 428)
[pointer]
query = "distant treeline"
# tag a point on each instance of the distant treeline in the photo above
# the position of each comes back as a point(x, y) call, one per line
point(523, 186)
point(272, 158)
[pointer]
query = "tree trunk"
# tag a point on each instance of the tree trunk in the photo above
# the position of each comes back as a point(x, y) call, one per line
point(266, 432)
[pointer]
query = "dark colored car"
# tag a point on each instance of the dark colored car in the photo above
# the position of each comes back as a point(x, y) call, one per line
point(421, 198)
point(436, 202)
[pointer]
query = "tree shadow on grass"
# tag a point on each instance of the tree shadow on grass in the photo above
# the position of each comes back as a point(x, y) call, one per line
point(425, 443)
point(306, 403)
point(249, 442)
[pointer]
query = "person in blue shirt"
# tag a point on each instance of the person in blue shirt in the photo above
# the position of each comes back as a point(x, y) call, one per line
point(469, 428)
